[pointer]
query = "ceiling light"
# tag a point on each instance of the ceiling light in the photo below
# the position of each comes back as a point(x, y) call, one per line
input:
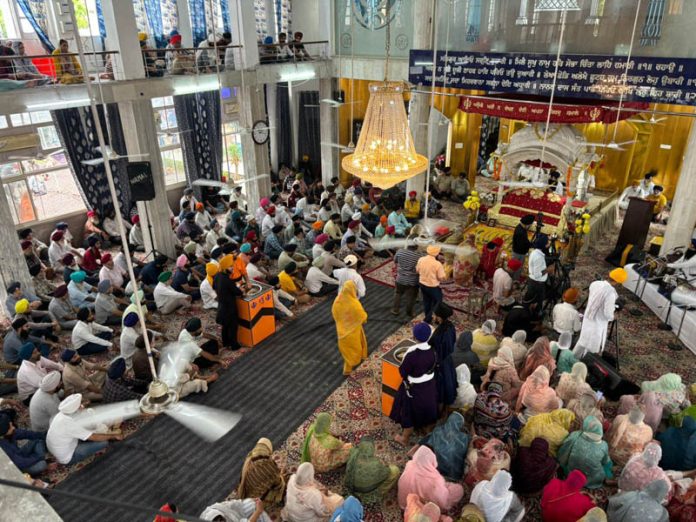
point(297, 76)
point(557, 5)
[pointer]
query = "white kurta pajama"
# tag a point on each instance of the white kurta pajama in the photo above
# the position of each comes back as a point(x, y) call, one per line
point(168, 300)
point(599, 311)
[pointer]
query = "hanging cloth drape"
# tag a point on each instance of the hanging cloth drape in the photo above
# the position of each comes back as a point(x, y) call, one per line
point(153, 13)
point(283, 130)
point(198, 118)
point(35, 12)
point(100, 19)
point(226, 21)
point(198, 25)
point(78, 136)
point(308, 138)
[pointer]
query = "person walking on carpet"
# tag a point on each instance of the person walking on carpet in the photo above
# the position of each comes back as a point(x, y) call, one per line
point(350, 316)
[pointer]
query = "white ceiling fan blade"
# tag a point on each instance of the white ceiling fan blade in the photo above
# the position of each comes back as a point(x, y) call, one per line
point(108, 413)
point(625, 142)
point(389, 244)
point(208, 423)
point(93, 162)
point(175, 359)
point(209, 183)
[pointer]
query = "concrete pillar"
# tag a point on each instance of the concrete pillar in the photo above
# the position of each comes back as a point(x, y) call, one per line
point(256, 160)
point(328, 130)
point(419, 108)
point(271, 97)
point(242, 17)
point(140, 134)
point(184, 26)
point(122, 36)
point(13, 267)
point(682, 218)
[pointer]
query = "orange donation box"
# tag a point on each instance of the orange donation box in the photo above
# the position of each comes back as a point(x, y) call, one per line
point(256, 319)
point(391, 378)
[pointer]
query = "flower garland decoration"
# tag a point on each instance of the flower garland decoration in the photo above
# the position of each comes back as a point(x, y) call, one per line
point(582, 224)
point(472, 202)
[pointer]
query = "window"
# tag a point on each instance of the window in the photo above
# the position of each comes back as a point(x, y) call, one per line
point(232, 162)
point(86, 16)
point(169, 140)
point(8, 28)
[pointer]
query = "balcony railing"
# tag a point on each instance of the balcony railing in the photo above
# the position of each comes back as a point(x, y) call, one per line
point(293, 52)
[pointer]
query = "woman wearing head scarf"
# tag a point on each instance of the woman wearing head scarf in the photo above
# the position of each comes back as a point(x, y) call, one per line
point(538, 355)
point(517, 346)
point(350, 511)
point(442, 341)
point(679, 446)
point(238, 510)
point(585, 404)
point(485, 459)
point(532, 468)
point(628, 436)
point(350, 316)
point(563, 500)
point(227, 291)
point(640, 506)
point(464, 354)
point(466, 265)
point(670, 392)
point(117, 387)
point(490, 257)
point(536, 396)
point(415, 405)
point(682, 507)
point(367, 477)
point(261, 477)
point(322, 449)
point(501, 369)
point(417, 511)
point(586, 451)
point(484, 342)
point(466, 393)
point(493, 417)
point(594, 515)
point(450, 442)
point(642, 469)
point(562, 354)
point(422, 477)
point(552, 427)
point(495, 499)
point(307, 500)
point(572, 385)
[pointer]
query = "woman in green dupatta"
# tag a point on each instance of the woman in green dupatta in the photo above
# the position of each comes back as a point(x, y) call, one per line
point(586, 451)
point(367, 477)
point(322, 449)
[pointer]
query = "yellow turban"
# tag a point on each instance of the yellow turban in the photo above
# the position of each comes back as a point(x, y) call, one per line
point(433, 250)
point(619, 275)
point(142, 37)
point(211, 269)
point(22, 306)
point(226, 262)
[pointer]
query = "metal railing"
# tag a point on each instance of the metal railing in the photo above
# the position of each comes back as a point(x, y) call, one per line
point(293, 52)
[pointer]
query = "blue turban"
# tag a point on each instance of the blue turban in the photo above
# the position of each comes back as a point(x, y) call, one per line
point(78, 276)
point(25, 351)
point(67, 355)
point(422, 332)
point(130, 320)
point(117, 368)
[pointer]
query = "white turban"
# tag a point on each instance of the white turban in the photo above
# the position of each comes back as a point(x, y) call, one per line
point(357, 216)
point(50, 382)
point(70, 404)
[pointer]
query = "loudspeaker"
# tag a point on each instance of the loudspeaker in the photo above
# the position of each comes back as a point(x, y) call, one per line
point(140, 180)
point(601, 375)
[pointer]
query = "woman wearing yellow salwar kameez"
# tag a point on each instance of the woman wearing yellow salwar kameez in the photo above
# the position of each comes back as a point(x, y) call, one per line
point(350, 317)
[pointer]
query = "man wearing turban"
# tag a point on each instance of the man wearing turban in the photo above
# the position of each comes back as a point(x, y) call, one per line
point(566, 317)
point(44, 403)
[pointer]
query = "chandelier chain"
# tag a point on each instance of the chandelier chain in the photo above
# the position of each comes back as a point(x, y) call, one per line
point(387, 43)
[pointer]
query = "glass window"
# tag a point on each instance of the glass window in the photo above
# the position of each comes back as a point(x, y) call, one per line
point(169, 140)
point(7, 25)
point(55, 193)
point(51, 161)
point(49, 137)
point(20, 202)
point(21, 119)
point(3, 122)
point(10, 170)
point(40, 116)
point(86, 16)
point(232, 162)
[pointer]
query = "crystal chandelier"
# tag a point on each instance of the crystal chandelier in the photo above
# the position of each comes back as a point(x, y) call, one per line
point(557, 5)
point(385, 154)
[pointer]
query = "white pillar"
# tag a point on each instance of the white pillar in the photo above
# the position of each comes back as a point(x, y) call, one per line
point(682, 218)
point(13, 266)
point(122, 36)
point(184, 25)
point(522, 15)
point(251, 109)
point(419, 107)
point(243, 23)
point(328, 131)
point(140, 134)
point(271, 101)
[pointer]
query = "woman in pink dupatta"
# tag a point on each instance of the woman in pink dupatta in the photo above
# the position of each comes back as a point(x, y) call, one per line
point(536, 395)
point(417, 511)
point(642, 469)
point(649, 402)
point(501, 369)
point(538, 355)
point(628, 436)
point(422, 477)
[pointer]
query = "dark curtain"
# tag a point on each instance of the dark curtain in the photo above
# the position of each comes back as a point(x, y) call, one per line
point(198, 118)
point(308, 138)
point(79, 138)
point(283, 131)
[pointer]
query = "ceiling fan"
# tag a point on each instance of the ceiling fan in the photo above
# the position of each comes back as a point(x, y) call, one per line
point(651, 121)
point(111, 156)
point(37, 156)
point(173, 133)
point(612, 145)
point(208, 423)
point(422, 235)
point(347, 149)
point(226, 187)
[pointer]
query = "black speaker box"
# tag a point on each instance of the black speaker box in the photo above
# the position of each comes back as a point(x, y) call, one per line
point(140, 180)
point(602, 375)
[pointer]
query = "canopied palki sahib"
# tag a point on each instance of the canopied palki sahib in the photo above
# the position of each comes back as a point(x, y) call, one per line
point(348, 260)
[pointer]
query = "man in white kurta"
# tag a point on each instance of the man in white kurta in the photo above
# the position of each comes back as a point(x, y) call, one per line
point(32, 371)
point(167, 299)
point(599, 312)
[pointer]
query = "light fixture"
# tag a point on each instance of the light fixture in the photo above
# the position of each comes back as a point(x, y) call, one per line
point(62, 103)
point(665, 146)
point(297, 76)
point(556, 5)
point(385, 154)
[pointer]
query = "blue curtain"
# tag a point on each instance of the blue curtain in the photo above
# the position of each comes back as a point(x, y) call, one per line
point(198, 119)
point(226, 21)
point(154, 21)
point(79, 138)
point(100, 19)
point(198, 26)
point(35, 11)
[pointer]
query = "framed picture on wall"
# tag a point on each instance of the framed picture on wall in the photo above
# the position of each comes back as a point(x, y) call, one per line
point(357, 127)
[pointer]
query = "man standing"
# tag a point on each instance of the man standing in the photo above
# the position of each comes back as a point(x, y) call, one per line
point(538, 272)
point(405, 261)
point(430, 273)
point(520, 241)
point(599, 311)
